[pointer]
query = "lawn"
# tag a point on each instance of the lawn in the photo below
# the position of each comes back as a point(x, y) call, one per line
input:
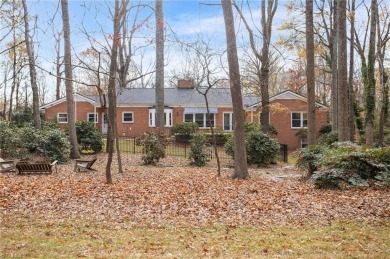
point(28, 237)
point(176, 211)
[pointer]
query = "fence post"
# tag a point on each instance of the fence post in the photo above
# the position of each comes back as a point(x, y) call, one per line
point(134, 145)
point(283, 152)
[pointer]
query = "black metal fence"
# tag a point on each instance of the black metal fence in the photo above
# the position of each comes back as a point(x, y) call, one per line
point(181, 149)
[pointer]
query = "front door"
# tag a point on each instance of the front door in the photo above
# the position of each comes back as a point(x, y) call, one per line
point(104, 124)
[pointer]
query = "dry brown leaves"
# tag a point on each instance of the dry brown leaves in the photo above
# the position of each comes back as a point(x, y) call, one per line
point(183, 195)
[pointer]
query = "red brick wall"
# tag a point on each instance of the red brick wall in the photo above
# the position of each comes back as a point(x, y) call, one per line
point(280, 117)
point(82, 109)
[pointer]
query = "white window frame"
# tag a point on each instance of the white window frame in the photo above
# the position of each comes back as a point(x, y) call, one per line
point(204, 126)
point(95, 117)
point(168, 117)
point(230, 121)
point(60, 120)
point(301, 120)
point(123, 117)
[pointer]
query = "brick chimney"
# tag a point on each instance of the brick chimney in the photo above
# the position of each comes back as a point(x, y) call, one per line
point(185, 84)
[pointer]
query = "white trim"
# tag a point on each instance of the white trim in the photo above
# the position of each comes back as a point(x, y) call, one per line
point(168, 112)
point(95, 117)
point(76, 97)
point(123, 117)
point(287, 95)
point(58, 117)
point(301, 119)
point(230, 121)
point(193, 110)
point(204, 119)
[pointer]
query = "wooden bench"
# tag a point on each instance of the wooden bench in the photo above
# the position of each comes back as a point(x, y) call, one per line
point(7, 165)
point(40, 167)
point(84, 164)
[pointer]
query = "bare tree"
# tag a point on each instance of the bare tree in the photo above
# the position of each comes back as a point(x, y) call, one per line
point(74, 153)
point(119, 14)
point(383, 32)
point(351, 117)
point(370, 89)
point(204, 70)
point(159, 64)
point(58, 65)
point(310, 74)
point(343, 110)
point(264, 57)
point(334, 55)
point(33, 72)
point(240, 160)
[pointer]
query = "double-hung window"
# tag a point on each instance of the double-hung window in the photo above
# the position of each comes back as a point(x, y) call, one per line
point(167, 117)
point(92, 117)
point(201, 119)
point(127, 117)
point(228, 121)
point(62, 117)
point(298, 120)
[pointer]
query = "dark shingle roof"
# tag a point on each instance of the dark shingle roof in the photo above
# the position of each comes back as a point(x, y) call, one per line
point(217, 97)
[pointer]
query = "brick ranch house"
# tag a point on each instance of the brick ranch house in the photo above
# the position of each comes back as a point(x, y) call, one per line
point(136, 111)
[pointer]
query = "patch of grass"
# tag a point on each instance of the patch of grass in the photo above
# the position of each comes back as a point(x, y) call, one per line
point(26, 237)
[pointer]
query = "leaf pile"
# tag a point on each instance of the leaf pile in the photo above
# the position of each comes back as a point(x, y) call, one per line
point(183, 195)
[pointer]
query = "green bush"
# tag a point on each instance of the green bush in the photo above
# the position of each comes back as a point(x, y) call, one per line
point(221, 137)
point(301, 134)
point(55, 145)
point(89, 137)
point(260, 148)
point(198, 155)
point(30, 137)
point(10, 143)
point(325, 129)
point(345, 163)
point(310, 158)
point(154, 144)
point(329, 179)
point(328, 139)
point(22, 115)
point(183, 131)
point(251, 126)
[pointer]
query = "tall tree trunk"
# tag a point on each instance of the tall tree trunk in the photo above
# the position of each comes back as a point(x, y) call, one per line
point(343, 89)
point(3, 115)
point(74, 152)
point(58, 67)
point(240, 159)
point(33, 72)
point(310, 76)
point(112, 92)
point(351, 117)
point(266, 25)
point(370, 92)
point(14, 63)
point(212, 129)
point(159, 65)
point(383, 39)
point(334, 68)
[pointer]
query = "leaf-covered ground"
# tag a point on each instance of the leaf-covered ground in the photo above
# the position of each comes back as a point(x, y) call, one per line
point(174, 193)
